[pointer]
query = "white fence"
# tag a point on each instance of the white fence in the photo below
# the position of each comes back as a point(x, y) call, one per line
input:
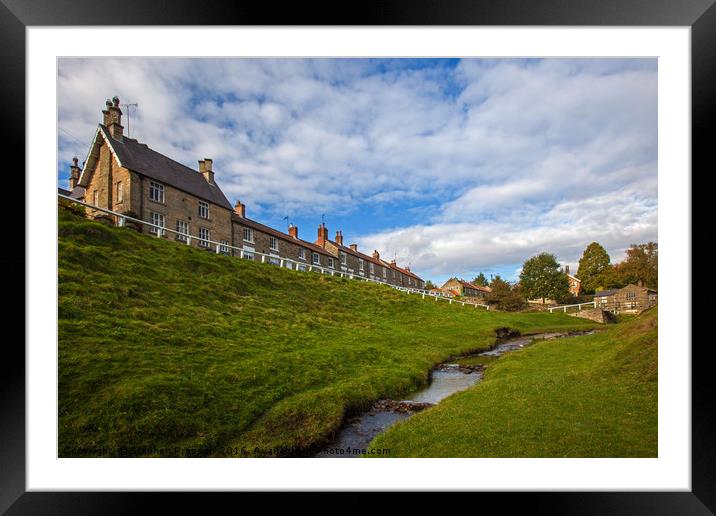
point(563, 308)
point(223, 248)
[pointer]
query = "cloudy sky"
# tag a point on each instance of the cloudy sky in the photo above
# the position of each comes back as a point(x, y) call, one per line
point(453, 166)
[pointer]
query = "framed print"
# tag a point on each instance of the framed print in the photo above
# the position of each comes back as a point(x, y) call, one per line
point(424, 239)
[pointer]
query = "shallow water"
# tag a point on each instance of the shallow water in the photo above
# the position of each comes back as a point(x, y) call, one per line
point(444, 383)
point(354, 437)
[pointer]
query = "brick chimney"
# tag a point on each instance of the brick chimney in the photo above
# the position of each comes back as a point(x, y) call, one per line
point(322, 235)
point(339, 237)
point(205, 169)
point(393, 263)
point(240, 209)
point(407, 268)
point(354, 247)
point(74, 173)
point(293, 231)
point(376, 255)
point(113, 118)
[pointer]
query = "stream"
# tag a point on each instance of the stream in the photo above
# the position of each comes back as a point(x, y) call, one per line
point(445, 379)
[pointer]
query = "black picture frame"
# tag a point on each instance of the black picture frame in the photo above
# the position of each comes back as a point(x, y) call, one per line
point(700, 15)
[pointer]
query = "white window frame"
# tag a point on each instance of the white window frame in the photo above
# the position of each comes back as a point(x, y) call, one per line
point(274, 260)
point(371, 267)
point(330, 262)
point(248, 252)
point(361, 264)
point(250, 233)
point(315, 259)
point(344, 258)
point(156, 191)
point(182, 227)
point(158, 220)
point(224, 246)
point(301, 253)
point(204, 240)
point(203, 210)
point(273, 243)
point(301, 267)
point(120, 192)
point(385, 272)
point(95, 197)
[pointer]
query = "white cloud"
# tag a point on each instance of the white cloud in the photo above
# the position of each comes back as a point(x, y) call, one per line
point(518, 156)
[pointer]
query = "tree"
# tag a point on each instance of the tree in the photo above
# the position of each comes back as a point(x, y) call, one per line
point(641, 265)
point(429, 285)
point(593, 262)
point(504, 296)
point(541, 278)
point(481, 280)
point(610, 277)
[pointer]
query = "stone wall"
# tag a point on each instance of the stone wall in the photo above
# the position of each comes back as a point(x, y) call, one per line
point(596, 314)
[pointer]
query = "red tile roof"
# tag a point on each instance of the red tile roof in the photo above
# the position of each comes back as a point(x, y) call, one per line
point(473, 286)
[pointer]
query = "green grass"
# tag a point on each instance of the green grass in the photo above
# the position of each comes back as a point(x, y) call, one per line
point(588, 396)
point(163, 345)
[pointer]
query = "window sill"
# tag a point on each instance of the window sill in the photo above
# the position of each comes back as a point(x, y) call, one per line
point(160, 203)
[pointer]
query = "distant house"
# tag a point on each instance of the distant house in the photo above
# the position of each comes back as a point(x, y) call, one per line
point(575, 284)
point(630, 299)
point(441, 292)
point(464, 288)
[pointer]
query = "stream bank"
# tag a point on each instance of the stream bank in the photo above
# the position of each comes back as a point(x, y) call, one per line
point(454, 375)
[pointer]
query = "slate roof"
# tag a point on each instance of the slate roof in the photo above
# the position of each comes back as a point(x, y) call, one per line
point(278, 234)
point(606, 293)
point(139, 158)
point(370, 258)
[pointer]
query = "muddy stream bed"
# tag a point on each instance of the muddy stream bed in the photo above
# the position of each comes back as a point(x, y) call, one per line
point(445, 379)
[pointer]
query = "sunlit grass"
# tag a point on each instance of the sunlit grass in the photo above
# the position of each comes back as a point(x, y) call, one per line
point(164, 345)
point(588, 396)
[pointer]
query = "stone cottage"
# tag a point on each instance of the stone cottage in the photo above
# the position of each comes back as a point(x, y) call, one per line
point(464, 288)
point(127, 177)
point(630, 299)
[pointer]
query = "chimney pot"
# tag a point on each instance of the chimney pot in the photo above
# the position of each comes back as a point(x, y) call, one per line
point(354, 247)
point(113, 118)
point(322, 235)
point(206, 170)
point(293, 231)
point(74, 173)
point(339, 237)
point(240, 209)
point(376, 254)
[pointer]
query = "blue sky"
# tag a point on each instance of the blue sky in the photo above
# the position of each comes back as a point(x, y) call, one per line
point(454, 166)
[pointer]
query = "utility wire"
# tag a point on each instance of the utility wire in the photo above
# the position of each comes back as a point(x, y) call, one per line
point(71, 135)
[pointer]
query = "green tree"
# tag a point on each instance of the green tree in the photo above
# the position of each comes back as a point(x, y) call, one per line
point(542, 278)
point(481, 280)
point(430, 285)
point(611, 277)
point(593, 262)
point(641, 265)
point(504, 296)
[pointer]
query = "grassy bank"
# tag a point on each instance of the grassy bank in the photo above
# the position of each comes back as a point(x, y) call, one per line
point(162, 345)
point(589, 396)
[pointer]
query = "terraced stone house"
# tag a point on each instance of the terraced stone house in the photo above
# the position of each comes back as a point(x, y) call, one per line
point(126, 176)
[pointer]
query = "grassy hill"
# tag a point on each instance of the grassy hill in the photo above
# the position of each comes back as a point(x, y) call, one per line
point(163, 345)
point(589, 396)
